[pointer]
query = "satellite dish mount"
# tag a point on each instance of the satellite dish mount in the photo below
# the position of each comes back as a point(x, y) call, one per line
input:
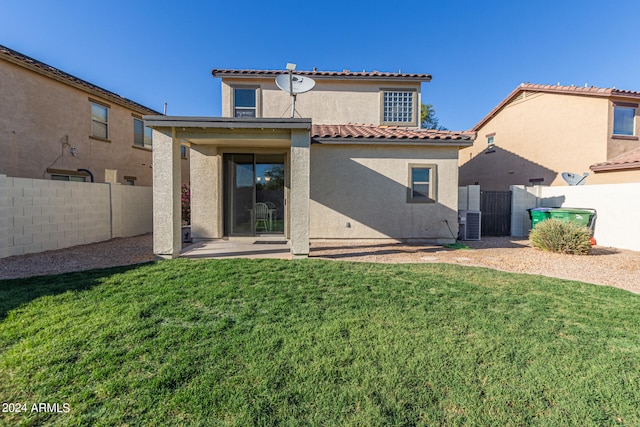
point(294, 85)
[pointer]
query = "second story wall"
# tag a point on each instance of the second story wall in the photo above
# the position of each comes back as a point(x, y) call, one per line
point(47, 128)
point(538, 137)
point(332, 101)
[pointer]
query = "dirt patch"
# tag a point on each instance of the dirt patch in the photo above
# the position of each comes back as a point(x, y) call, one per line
point(604, 266)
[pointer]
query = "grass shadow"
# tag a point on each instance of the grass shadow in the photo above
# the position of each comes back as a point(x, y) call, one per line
point(15, 293)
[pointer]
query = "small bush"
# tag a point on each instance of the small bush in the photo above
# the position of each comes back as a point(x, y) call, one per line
point(186, 205)
point(559, 236)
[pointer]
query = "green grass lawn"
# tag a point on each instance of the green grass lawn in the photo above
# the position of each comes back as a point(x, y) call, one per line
point(269, 342)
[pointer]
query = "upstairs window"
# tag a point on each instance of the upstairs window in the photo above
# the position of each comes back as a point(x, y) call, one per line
point(142, 135)
point(67, 175)
point(245, 102)
point(624, 120)
point(76, 178)
point(398, 107)
point(99, 121)
point(491, 143)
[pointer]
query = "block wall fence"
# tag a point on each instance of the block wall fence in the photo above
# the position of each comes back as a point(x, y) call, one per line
point(38, 215)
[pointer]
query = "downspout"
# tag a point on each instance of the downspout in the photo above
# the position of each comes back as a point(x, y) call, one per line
point(87, 171)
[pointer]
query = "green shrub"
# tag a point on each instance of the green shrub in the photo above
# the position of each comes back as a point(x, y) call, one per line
point(559, 236)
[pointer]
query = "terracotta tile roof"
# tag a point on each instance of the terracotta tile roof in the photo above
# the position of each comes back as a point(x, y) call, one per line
point(568, 90)
point(629, 160)
point(364, 133)
point(598, 91)
point(49, 71)
point(324, 74)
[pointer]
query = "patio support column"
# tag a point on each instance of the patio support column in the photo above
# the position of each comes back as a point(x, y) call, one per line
point(299, 194)
point(167, 239)
point(206, 193)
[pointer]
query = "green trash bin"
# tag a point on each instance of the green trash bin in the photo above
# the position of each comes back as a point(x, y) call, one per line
point(538, 215)
point(581, 216)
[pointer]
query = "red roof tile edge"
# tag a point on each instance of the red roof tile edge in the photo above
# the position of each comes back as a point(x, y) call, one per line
point(370, 132)
point(629, 160)
point(346, 73)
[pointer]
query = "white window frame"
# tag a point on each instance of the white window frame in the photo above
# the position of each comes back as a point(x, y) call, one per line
point(432, 182)
point(625, 106)
point(105, 123)
point(234, 108)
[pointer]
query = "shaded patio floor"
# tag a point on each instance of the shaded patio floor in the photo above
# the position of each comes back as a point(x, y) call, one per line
point(253, 247)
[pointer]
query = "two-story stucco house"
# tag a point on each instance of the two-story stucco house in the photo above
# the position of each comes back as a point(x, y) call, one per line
point(351, 164)
point(56, 126)
point(540, 131)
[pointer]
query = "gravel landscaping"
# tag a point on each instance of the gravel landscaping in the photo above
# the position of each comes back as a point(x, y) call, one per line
point(604, 266)
point(111, 253)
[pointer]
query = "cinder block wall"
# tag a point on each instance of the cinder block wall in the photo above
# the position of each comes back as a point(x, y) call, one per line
point(39, 215)
point(132, 210)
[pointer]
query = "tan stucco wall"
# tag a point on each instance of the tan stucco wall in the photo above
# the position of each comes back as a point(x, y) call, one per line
point(330, 102)
point(542, 136)
point(366, 186)
point(207, 215)
point(41, 119)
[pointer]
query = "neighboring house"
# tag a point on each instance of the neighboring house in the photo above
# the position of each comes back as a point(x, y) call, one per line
point(258, 172)
point(56, 126)
point(540, 131)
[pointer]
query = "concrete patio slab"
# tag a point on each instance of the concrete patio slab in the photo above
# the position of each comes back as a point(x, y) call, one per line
point(254, 247)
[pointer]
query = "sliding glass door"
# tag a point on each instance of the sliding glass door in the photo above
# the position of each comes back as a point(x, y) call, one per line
point(254, 194)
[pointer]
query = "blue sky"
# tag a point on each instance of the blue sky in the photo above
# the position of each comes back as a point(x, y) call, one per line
point(477, 51)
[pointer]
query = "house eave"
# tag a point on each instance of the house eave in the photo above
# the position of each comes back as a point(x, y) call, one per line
point(393, 142)
point(324, 76)
point(225, 122)
point(615, 168)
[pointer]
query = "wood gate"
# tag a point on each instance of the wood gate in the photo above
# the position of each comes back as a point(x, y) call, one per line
point(496, 213)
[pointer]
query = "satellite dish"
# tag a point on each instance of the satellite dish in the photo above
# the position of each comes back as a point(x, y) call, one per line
point(574, 179)
point(295, 84)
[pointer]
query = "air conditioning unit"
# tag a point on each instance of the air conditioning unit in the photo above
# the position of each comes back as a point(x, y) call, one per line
point(469, 223)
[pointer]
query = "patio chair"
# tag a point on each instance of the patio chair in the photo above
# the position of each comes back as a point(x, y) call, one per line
point(272, 213)
point(262, 217)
